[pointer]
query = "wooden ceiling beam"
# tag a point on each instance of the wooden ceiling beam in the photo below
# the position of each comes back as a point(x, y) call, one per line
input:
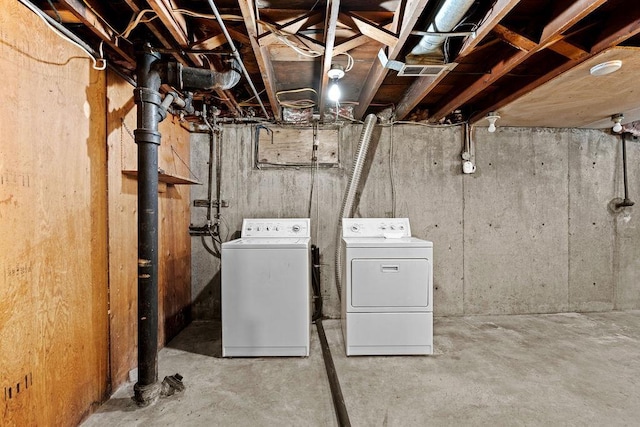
point(156, 32)
point(566, 18)
point(331, 22)
point(568, 50)
point(411, 11)
point(514, 39)
point(493, 17)
point(218, 40)
point(261, 54)
point(619, 27)
point(84, 11)
point(350, 43)
point(551, 34)
point(610, 37)
point(291, 27)
point(175, 23)
point(525, 44)
point(370, 29)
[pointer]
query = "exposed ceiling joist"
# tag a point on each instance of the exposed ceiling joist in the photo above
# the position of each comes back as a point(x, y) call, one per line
point(412, 12)
point(261, 55)
point(331, 22)
point(156, 31)
point(84, 11)
point(525, 44)
point(608, 39)
point(370, 29)
point(566, 18)
point(497, 12)
point(291, 27)
point(552, 33)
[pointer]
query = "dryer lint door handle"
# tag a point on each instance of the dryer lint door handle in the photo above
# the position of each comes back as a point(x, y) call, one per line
point(387, 268)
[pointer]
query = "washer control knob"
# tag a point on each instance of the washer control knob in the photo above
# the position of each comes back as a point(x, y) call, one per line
point(267, 228)
point(296, 228)
point(258, 228)
point(383, 227)
point(401, 227)
point(355, 228)
point(393, 227)
point(249, 228)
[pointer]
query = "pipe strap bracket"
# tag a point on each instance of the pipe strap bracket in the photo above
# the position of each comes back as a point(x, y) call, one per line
point(143, 94)
point(147, 135)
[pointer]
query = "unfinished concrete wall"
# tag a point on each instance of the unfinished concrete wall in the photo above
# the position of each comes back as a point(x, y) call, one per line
point(529, 232)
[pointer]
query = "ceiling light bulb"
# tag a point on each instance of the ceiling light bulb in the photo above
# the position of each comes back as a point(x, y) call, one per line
point(334, 91)
point(492, 117)
point(617, 119)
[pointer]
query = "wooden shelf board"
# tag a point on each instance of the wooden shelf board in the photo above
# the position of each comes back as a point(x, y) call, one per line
point(166, 178)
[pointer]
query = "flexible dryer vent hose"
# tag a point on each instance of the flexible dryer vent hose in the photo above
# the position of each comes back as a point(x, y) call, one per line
point(346, 210)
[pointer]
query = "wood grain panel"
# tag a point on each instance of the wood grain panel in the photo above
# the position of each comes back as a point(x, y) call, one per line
point(53, 262)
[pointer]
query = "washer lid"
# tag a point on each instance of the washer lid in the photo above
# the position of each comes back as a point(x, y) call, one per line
point(381, 242)
point(267, 243)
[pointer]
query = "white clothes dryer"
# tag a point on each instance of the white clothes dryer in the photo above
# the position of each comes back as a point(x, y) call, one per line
point(387, 289)
point(266, 286)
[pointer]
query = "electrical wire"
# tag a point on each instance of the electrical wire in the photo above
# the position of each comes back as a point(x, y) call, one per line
point(135, 20)
point(55, 11)
point(285, 37)
point(301, 103)
point(391, 172)
point(63, 36)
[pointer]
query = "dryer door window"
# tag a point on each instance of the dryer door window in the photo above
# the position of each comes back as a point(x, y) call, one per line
point(390, 282)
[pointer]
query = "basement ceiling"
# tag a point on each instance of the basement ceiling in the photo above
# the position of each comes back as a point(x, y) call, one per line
point(528, 60)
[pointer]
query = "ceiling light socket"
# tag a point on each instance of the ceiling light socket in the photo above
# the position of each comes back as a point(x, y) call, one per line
point(336, 72)
point(617, 120)
point(605, 68)
point(492, 117)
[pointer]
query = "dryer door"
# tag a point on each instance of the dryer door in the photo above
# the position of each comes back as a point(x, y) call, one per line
point(390, 282)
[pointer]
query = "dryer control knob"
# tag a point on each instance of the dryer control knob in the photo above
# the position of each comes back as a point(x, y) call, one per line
point(355, 228)
point(296, 228)
point(393, 227)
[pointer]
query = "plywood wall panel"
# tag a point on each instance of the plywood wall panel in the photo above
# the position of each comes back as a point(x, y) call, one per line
point(53, 262)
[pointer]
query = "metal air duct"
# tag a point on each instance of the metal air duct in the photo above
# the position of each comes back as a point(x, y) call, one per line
point(449, 15)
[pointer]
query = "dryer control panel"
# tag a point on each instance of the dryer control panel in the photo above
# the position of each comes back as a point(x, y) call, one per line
point(276, 227)
point(376, 227)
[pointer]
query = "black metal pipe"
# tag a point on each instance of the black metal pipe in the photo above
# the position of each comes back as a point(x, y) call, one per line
point(626, 202)
point(212, 137)
point(148, 102)
point(315, 283)
point(334, 383)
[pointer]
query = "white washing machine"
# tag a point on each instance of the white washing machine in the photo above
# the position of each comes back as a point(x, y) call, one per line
point(387, 289)
point(266, 286)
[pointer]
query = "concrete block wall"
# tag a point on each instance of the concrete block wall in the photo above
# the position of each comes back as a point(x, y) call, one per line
point(529, 232)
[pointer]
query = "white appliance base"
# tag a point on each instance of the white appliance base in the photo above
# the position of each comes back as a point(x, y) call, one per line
point(369, 334)
point(265, 351)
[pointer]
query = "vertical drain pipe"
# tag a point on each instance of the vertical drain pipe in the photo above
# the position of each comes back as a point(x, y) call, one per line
point(148, 102)
point(625, 202)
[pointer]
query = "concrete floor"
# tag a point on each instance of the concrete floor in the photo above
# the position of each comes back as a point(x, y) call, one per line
point(561, 369)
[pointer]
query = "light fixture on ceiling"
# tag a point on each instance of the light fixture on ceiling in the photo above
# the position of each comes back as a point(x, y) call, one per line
point(492, 117)
point(605, 68)
point(335, 73)
point(617, 119)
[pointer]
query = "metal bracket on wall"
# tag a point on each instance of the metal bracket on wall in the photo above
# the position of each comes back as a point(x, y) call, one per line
point(204, 203)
